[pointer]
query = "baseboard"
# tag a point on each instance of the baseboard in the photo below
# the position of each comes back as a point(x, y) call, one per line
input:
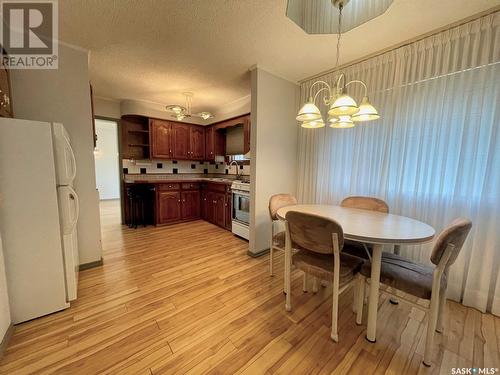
point(6, 339)
point(259, 254)
point(87, 266)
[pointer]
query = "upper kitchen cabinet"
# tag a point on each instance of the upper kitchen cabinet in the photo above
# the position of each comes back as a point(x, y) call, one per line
point(135, 137)
point(173, 140)
point(161, 139)
point(197, 143)
point(180, 138)
point(215, 143)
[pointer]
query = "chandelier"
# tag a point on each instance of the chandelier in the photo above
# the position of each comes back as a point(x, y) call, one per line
point(343, 110)
point(180, 113)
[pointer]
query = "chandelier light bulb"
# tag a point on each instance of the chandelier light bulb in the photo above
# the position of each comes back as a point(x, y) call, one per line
point(342, 123)
point(313, 124)
point(343, 105)
point(367, 112)
point(309, 112)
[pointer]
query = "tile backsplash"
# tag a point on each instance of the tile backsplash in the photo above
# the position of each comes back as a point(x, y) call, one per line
point(180, 167)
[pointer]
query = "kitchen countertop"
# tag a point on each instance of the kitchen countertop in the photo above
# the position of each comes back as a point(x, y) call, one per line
point(158, 179)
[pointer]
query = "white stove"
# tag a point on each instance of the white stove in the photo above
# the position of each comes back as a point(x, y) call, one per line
point(241, 208)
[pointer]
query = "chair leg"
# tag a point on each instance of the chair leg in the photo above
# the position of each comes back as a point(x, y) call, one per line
point(431, 328)
point(305, 283)
point(397, 249)
point(287, 274)
point(355, 293)
point(315, 285)
point(335, 311)
point(441, 312)
point(271, 253)
point(360, 291)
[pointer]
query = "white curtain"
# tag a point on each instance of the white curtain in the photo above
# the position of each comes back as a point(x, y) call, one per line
point(434, 154)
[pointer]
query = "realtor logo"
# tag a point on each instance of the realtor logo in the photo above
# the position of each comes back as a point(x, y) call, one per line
point(29, 34)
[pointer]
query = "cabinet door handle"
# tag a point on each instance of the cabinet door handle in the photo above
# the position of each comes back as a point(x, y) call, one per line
point(179, 201)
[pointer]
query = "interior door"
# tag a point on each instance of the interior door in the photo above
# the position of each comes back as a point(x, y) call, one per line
point(180, 136)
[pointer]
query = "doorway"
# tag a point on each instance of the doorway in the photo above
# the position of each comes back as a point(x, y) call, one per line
point(107, 166)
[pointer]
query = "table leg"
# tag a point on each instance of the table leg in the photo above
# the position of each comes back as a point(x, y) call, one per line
point(374, 291)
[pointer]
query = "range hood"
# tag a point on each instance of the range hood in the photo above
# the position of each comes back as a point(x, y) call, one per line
point(235, 140)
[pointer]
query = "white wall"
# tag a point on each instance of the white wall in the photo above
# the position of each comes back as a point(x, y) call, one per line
point(273, 149)
point(4, 298)
point(109, 108)
point(63, 95)
point(106, 160)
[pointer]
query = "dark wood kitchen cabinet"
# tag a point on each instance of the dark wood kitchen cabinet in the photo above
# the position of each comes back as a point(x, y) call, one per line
point(219, 209)
point(173, 140)
point(135, 137)
point(204, 205)
point(161, 139)
point(215, 143)
point(190, 203)
point(181, 141)
point(228, 209)
point(197, 143)
point(168, 206)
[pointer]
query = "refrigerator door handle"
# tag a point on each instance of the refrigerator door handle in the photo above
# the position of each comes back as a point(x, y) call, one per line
point(74, 196)
point(73, 159)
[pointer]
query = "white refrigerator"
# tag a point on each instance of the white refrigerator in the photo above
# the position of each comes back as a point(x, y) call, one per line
point(38, 216)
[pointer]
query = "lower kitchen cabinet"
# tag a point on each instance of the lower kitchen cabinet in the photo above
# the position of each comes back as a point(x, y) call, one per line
point(216, 208)
point(183, 201)
point(228, 210)
point(169, 206)
point(190, 205)
point(204, 205)
point(220, 213)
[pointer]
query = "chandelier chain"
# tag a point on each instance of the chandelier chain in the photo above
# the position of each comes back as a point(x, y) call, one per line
point(339, 35)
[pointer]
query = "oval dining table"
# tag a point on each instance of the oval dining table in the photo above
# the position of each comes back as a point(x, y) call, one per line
point(369, 227)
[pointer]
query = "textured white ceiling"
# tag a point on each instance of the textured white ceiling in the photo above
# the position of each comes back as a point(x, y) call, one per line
point(153, 50)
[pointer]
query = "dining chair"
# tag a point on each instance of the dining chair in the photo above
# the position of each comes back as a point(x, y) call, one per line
point(423, 281)
point(276, 202)
point(318, 244)
point(364, 203)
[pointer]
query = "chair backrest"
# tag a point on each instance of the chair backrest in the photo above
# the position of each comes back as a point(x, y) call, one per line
point(278, 201)
point(366, 203)
point(455, 234)
point(313, 233)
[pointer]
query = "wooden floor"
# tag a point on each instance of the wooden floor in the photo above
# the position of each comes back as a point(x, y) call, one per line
point(187, 299)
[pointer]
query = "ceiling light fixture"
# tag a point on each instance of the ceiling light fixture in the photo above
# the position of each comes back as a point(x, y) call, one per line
point(343, 110)
point(180, 113)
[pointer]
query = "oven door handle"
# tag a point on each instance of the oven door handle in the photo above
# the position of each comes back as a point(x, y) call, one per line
point(242, 193)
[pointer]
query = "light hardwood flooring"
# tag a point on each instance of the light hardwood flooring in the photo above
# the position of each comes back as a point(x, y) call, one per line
point(187, 299)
